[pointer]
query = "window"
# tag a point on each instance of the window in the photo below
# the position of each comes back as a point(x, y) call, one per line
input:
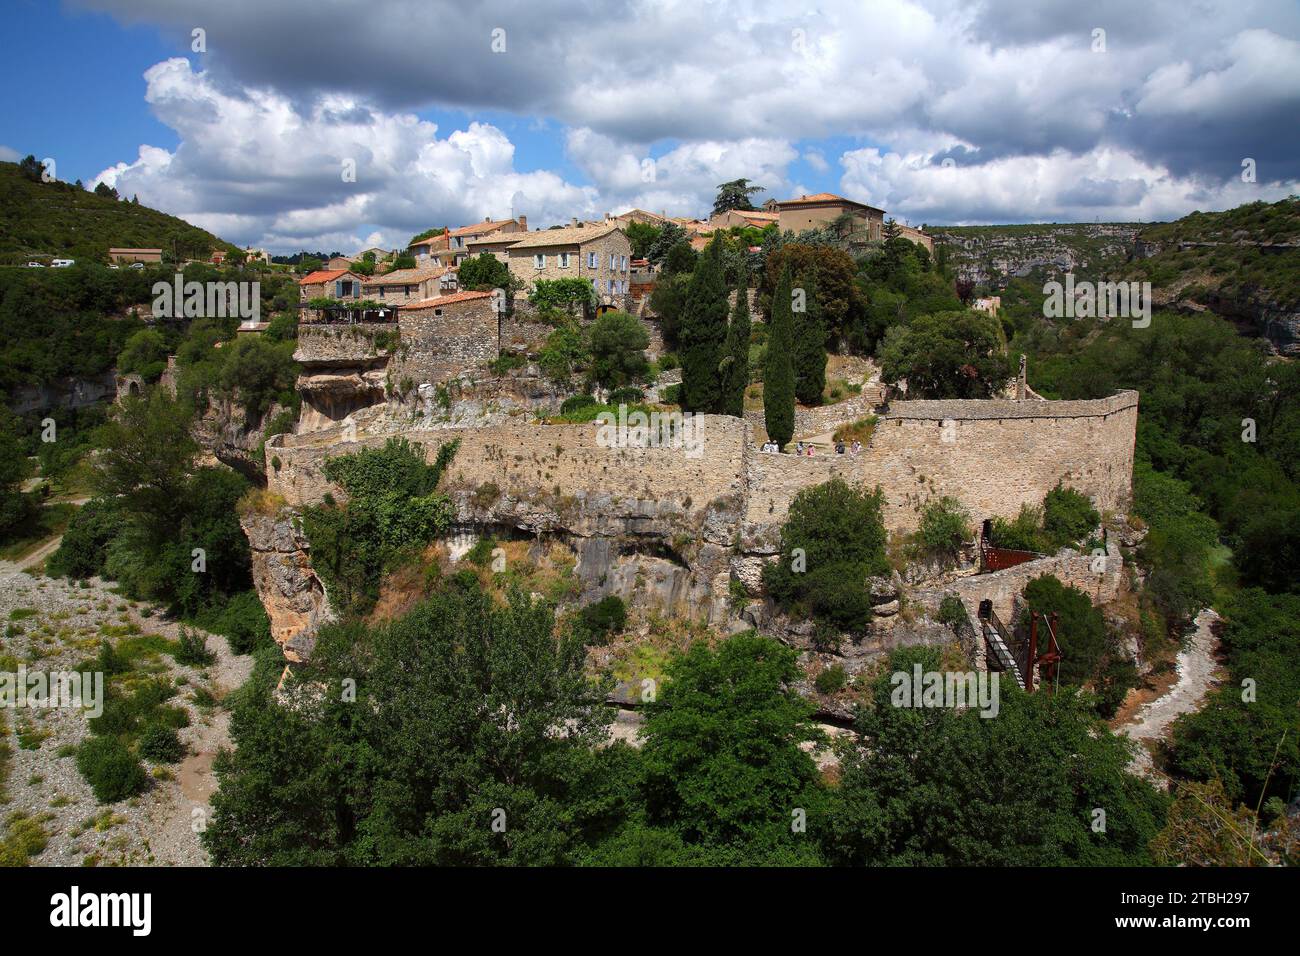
point(539, 260)
point(564, 260)
point(591, 260)
point(624, 260)
point(613, 262)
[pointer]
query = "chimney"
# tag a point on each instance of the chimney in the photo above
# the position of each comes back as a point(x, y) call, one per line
point(487, 218)
point(523, 223)
point(573, 221)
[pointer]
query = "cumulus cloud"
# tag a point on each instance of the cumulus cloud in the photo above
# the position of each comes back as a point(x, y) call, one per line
point(253, 168)
point(1157, 117)
point(1105, 184)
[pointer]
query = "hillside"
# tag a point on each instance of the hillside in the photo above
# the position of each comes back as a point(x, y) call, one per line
point(984, 254)
point(45, 220)
point(1242, 264)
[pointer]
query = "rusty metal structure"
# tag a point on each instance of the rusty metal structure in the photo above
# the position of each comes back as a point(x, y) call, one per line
point(1032, 661)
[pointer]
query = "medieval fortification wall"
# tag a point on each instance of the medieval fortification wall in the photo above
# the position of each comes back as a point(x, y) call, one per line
point(993, 456)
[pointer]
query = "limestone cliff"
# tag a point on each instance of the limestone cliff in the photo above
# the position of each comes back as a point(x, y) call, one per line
point(293, 595)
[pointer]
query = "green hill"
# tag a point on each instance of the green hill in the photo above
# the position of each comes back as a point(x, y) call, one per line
point(60, 220)
point(1246, 259)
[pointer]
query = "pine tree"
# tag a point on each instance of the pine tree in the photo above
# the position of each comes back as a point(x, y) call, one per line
point(809, 345)
point(703, 333)
point(736, 362)
point(778, 371)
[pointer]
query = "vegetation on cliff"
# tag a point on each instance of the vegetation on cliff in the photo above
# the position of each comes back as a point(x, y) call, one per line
point(57, 219)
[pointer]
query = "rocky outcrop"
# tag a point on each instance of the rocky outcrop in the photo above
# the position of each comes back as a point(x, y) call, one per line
point(292, 593)
point(987, 254)
point(224, 431)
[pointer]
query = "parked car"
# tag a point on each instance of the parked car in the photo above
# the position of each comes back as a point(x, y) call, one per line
point(62, 263)
point(35, 265)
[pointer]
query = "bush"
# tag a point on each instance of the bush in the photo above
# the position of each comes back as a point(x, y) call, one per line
point(626, 396)
point(481, 553)
point(1081, 630)
point(193, 649)
point(161, 744)
point(84, 548)
point(604, 617)
point(1068, 516)
point(832, 541)
point(831, 679)
point(113, 772)
point(576, 402)
point(1024, 533)
point(945, 524)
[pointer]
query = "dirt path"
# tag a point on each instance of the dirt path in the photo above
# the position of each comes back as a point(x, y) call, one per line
point(33, 559)
point(1196, 666)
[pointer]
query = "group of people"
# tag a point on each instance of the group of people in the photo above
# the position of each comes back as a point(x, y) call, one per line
point(806, 449)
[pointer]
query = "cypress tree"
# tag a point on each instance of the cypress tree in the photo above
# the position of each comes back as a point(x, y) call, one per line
point(778, 370)
point(736, 363)
point(809, 345)
point(703, 332)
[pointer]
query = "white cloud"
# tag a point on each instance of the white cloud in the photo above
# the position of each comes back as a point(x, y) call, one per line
point(1106, 184)
point(254, 169)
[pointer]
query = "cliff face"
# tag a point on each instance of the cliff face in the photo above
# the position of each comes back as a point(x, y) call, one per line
point(294, 597)
point(673, 526)
point(985, 254)
point(224, 432)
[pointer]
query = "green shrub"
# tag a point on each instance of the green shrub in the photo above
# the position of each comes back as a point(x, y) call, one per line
point(576, 402)
point(626, 396)
point(113, 772)
point(481, 554)
point(832, 540)
point(192, 649)
point(1068, 515)
point(161, 744)
point(945, 524)
point(602, 618)
point(831, 679)
point(1023, 533)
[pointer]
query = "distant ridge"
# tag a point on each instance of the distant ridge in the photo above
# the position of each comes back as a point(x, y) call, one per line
point(60, 220)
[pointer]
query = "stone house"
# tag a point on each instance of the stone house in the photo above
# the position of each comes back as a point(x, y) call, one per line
point(821, 209)
point(638, 215)
point(758, 219)
point(339, 262)
point(431, 252)
point(444, 336)
point(404, 286)
point(917, 236)
point(458, 239)
point(331, 284)
point(600, 254)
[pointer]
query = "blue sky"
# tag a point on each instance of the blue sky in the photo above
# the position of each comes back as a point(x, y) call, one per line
point(939, 111)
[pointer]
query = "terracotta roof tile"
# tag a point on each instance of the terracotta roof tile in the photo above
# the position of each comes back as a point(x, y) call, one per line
point(447, 300)
point(322, 275)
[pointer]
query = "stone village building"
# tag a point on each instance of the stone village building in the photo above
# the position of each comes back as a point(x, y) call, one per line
point(600, 254)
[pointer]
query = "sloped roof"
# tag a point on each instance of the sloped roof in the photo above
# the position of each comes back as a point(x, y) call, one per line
point(403, 276)
point(479, 228)
point(323, 275)
point(824, 198)
point(568, 236)
point(447, 300)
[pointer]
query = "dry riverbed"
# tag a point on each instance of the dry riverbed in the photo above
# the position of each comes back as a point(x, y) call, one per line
point(50, 625)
